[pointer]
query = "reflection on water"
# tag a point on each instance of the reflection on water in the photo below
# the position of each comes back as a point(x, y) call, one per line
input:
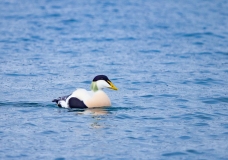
point(97, 114)
point(92, 111)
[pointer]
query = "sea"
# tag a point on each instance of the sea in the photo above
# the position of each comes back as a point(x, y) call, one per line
point(168, 59)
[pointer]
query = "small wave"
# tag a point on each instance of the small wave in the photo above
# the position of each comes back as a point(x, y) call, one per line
point(169, 95)
point(207, 81)
point(199, 35)
point(215, 100)
point(222, 53)
point(173, 154)
point(185, 137)
point(201, 124)
point(149, 51)
point(193, 151)
point(26, 104)
point(147, 96)
point(69, 21)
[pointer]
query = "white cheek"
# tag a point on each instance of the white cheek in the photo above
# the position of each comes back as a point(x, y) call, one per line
point(102, 84)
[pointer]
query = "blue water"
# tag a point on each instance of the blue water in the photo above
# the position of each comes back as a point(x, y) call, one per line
point(169, 60)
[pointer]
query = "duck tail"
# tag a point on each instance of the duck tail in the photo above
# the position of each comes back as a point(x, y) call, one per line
point(57, 101)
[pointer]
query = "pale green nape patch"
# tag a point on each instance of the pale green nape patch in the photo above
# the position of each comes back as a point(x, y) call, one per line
point(94, 86)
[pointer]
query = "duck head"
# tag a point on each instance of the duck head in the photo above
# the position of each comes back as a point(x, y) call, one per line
point(100, 82)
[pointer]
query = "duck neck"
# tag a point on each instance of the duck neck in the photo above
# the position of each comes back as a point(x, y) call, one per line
point(94, 87)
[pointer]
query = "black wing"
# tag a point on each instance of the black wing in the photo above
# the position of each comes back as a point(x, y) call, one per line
point(60, 99)
point(73, 102)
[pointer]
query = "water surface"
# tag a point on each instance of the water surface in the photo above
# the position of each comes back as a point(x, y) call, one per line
point(169, 60)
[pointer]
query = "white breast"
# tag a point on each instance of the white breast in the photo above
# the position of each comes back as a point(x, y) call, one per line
point(99, 99)
point(91, 99)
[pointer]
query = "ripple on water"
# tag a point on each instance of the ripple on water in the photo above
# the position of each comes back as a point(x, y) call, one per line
point(215, 100)
point(25, 104)
point(193, 151)
point(60, 158)
point(225, 125)
point(225, 133)
point(199, 35)
point(201, 124)
point(48, 132)
point(169, 95)
point(185, 137)
point(207, 81)
point(198, 43)
point(147, 96)
point(149, 51)
point(222, 53)
point(188, 116)
point(30, 124)
point(151, 118)
point(203, 116)
point(172, 154)
point(70, 21)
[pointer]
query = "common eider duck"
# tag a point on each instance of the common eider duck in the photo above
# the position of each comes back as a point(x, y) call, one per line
point(81, 98)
